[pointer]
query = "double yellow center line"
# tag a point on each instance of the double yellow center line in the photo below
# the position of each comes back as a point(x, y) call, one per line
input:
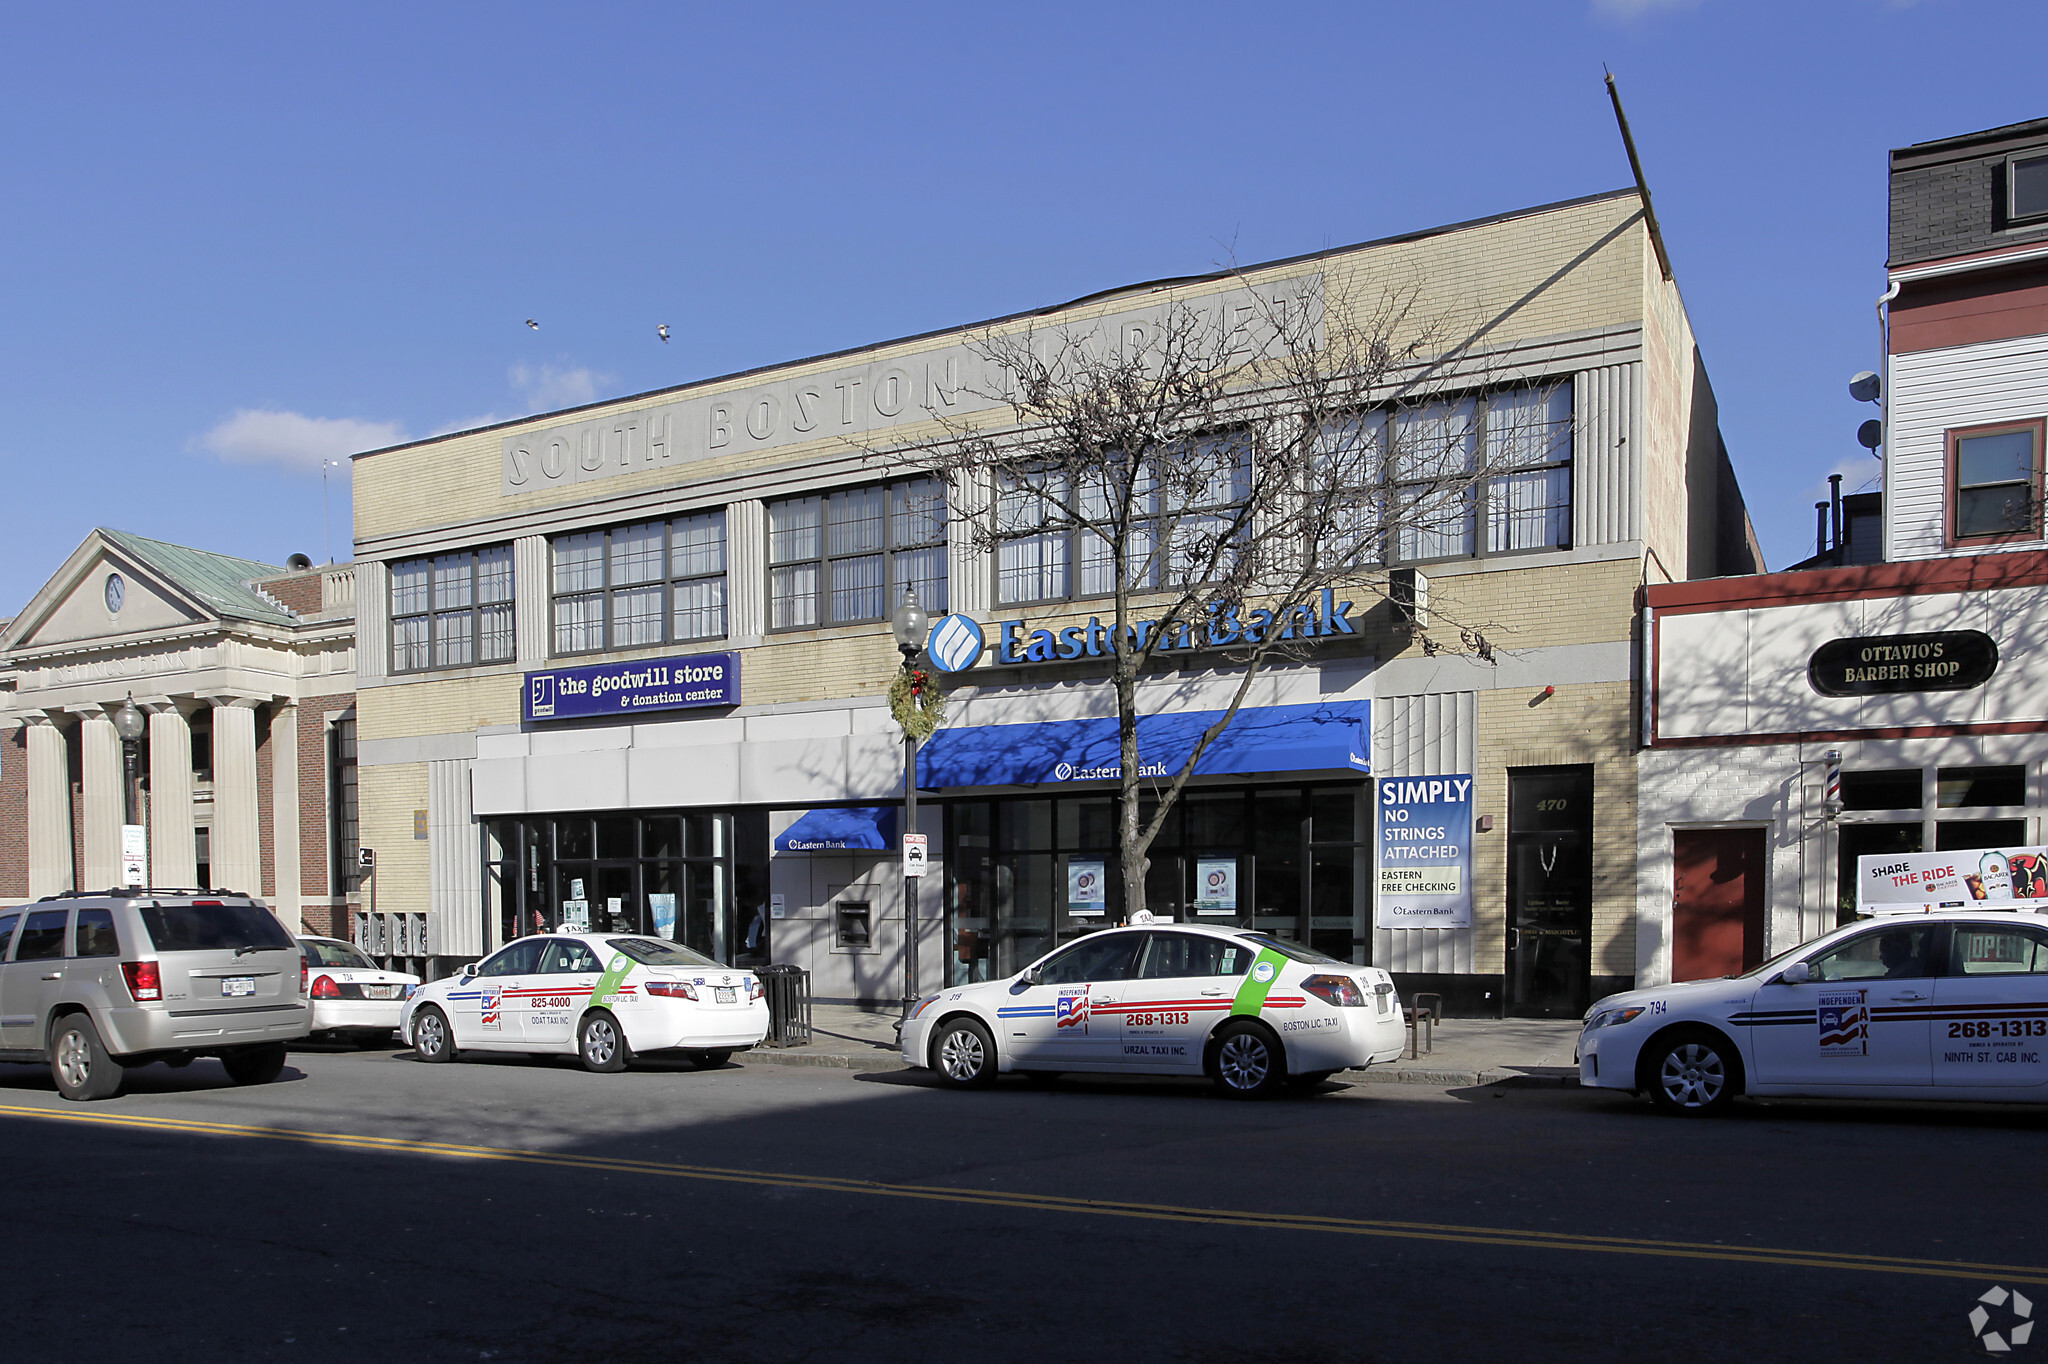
point(1089, 1207)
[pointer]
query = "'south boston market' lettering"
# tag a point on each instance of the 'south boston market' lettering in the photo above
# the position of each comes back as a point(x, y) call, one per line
point(1219, 630)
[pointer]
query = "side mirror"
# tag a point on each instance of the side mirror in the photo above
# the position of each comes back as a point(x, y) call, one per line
point(1798, 973)
point(469, 971)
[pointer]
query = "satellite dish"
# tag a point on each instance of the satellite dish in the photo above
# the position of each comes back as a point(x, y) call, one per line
point(1870, 435)
point(1865, 387)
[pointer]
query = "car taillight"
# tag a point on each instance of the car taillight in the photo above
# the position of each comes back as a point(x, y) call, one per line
point(325, 988)
point(1341, 991)
point(756, 989)
point(302, 975)
point(672, 989)
point(145, 980)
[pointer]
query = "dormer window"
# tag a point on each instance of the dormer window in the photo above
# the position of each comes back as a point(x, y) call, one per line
point(2026, 186)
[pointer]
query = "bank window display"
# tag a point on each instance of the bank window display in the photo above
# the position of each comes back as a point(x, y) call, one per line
point(452, 610)
point(627, 587)
point(667, 874)
point(1026, 874)
point(846, 557)
point(1183, 530)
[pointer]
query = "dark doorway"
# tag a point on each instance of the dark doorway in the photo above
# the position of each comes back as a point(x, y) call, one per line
point(1550, 890)
point(1717, 902)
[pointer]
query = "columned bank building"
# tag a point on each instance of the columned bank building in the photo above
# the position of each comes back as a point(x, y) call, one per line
point(625, 666)
point(242, 675)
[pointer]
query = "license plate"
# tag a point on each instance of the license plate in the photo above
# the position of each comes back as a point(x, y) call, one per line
point(231, 986)
point(726, 996)
point(380, 992)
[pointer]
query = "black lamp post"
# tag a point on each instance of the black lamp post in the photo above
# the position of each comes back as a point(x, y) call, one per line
point(129, 724)
point(910, 625)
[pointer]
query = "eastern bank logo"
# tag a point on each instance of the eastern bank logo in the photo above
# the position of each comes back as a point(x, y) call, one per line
point(955, 643)
point(542, 702)
point(2013, 1324)
point(1106, 772)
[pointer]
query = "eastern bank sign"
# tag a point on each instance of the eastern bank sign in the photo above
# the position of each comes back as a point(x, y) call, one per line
point(630, 688)
point(956, 641)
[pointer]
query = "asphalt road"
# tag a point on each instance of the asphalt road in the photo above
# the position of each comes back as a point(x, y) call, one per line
point(369, 1207)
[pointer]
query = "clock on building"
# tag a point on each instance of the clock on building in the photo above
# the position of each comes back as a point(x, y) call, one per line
point(117, 592)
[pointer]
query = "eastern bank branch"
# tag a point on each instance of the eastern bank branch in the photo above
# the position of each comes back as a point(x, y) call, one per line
point(627, 665)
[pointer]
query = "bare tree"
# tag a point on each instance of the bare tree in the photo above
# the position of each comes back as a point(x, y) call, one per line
point(1224, 467)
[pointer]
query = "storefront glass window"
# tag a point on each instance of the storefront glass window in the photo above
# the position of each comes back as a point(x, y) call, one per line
point(1898, 790)
point(1026, 874)
point(1868, 840)
point(1967, 786)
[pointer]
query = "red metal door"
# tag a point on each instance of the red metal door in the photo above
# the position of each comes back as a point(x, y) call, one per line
point(1717, 906)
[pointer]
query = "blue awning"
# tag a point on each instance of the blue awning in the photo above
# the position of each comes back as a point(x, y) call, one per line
point(868, 828)
point(1309, 738)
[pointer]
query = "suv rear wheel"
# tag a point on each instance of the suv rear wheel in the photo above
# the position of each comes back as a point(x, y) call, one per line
point(79, 1062)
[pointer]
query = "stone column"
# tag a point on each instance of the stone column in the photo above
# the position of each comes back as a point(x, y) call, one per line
point(173, 859)
point(284, 813)
point(746, 571)
point(531, 612)
point(103, 797)
point(237, 849)
point(49, 809)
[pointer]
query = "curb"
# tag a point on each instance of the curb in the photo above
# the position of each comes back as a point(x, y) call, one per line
point(1462, 1079)
point(827, 1060)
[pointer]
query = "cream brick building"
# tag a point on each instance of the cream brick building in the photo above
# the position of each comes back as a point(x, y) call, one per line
point(721, 522)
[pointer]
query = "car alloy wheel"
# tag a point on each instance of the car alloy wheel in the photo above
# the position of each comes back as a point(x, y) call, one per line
point(430, 1036)
point(1244, 1061)
point(600, 1044)
point(1692, 1077)
point(965, 1056)
point(74, 1059)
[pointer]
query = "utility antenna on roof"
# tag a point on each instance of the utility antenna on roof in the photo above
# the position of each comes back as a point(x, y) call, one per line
point(1635, 163)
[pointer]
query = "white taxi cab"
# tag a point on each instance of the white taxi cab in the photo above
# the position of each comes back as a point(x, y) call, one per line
point(1942, 1005)
point(604, 998)
point(1251, 1011)
point(352, 997)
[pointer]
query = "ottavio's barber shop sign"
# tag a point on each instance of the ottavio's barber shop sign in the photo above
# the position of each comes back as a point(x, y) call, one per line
point(1946, 660)
point(957, 643)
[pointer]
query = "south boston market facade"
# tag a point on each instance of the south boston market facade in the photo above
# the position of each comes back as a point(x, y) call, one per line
point(626, 666)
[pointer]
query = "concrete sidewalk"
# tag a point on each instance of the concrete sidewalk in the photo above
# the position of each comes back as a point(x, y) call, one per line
point(1468, 1051)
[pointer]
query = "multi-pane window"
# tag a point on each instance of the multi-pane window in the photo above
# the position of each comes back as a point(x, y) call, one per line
point(1449, 479)
point(656, 582)
point(1994, 477)
point(452, 610)
point(1183, 525)
point(344, 830)
point(845, 557)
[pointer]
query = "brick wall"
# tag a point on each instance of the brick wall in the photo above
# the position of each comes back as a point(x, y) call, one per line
point(14, 813)
point(299, 591)
point(316, 818)
point(1952, 209)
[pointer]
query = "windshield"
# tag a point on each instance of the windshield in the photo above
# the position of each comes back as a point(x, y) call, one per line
point(1287, 947)
point(658, 952)
point(203, 927)
point(340, 954)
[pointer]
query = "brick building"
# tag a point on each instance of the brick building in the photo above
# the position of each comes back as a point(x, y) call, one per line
point(507, 573)
point(1933, 726)
point(245, 672)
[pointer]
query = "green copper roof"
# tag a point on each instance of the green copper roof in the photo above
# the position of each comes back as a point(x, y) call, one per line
point(219, 581)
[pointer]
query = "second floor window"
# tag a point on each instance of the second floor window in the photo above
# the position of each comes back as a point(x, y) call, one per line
point(1994, 477)
point(845, 557)
point(658, 582)
point(452, 610)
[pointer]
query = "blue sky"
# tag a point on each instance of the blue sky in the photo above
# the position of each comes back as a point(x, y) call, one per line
point(242, 239)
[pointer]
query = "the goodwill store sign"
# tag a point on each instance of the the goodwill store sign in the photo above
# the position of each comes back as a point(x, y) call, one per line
point(628, 688)
point(1424, 853)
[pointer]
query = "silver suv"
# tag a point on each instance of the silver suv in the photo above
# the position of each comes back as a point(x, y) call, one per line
point(95, 983)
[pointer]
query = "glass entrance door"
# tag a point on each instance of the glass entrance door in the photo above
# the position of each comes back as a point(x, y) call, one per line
point(1550, 891)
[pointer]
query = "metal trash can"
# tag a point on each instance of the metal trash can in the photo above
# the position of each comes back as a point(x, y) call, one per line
point(789, 1006)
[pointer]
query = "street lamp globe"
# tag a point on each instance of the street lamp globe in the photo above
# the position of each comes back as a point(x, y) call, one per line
point(909, 623)
point(128, 722)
